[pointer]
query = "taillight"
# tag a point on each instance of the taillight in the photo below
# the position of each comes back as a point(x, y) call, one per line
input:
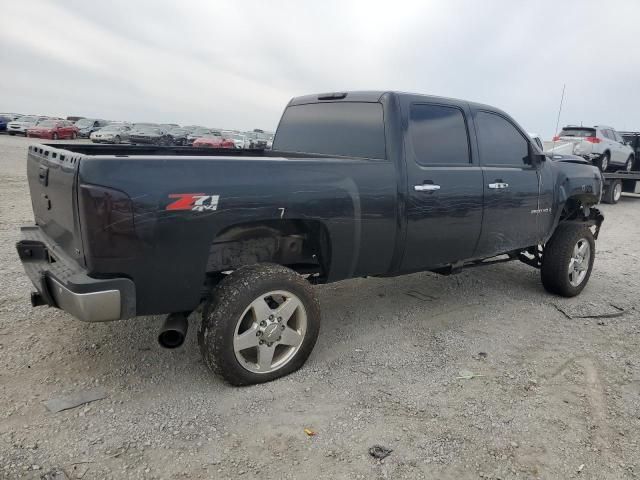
point(556, 138)
point(593, 139)
point(107, 226)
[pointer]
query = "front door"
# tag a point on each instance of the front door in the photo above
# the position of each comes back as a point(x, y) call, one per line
point(444, 197)
point(511, 186)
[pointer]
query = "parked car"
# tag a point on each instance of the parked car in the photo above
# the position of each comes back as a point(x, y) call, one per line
point(179, 135)
point(53, 130)
point(214, 141)
point(600, 144)
point(383, 184)
point(11, 116)
point(257, 140)
point(4, 121)
point(19, 127)
point(150, 135)
point(86, 126)
point(112, 133)
point(240, 140)
point(198, 133)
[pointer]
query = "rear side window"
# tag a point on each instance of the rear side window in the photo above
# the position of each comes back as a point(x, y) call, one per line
point(500, 142)
point(335, 128)
point(438, 135)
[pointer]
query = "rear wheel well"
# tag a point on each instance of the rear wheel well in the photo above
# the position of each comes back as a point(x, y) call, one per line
point(302, 245)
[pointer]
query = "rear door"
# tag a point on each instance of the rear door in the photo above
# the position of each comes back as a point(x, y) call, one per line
point(511, 186)
point(65, 129)
point(444, 193)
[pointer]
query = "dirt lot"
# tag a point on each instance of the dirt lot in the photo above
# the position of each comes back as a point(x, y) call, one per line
point(555, 396)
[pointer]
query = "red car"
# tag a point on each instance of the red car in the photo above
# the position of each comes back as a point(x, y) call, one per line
point(53, 130)
point(214, 141)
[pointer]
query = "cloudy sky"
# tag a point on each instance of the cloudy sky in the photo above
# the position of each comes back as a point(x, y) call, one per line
point(235, 64)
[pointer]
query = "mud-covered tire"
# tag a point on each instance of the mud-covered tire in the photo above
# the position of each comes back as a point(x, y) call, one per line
point(557, 257)
point(225, 307)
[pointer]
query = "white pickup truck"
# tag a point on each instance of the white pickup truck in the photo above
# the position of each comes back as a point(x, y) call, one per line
point(601, 145)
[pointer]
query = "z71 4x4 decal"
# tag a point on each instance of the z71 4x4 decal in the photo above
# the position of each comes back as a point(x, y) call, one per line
point(196, 202)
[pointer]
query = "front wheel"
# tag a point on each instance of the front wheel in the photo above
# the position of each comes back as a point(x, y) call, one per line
point(567, 259)
point(261, 323)
point(74, 135)
point(629, 164)
point(54, 136)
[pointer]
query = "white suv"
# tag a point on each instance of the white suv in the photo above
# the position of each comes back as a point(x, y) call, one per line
point(600, 144)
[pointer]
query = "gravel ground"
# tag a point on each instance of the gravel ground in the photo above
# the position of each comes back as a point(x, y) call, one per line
point(555, 396)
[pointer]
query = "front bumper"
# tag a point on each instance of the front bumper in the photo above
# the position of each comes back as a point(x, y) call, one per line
point(44, 135)
point(61, 283)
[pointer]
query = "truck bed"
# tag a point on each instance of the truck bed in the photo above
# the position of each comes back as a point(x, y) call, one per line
point(153, 150)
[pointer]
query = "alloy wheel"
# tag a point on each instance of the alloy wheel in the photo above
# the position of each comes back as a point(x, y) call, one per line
point(270, 331)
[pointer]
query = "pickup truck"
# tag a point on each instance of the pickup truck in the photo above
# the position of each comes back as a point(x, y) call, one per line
point(357, 184)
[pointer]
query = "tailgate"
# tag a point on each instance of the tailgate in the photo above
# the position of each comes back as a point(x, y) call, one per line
point(51, 173)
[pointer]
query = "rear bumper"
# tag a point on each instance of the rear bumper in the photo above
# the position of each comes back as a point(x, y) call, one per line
point(61, 283)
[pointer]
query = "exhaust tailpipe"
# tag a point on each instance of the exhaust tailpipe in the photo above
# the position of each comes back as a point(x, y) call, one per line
point(173, 331)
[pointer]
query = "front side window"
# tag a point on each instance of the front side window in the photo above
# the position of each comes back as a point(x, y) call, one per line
point(351, 129)
point(500, 143)
point(438, 135)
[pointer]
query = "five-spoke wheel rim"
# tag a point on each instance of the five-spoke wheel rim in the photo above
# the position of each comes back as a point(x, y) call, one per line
point(579, 263)
point(270, 331)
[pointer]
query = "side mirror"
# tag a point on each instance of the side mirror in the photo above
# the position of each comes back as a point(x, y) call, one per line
point(535, 157)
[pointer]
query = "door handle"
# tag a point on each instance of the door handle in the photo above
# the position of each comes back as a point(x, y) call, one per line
point(426, 187)
point(498, 185)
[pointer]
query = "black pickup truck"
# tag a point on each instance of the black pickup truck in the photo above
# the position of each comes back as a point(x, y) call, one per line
point(357, 184)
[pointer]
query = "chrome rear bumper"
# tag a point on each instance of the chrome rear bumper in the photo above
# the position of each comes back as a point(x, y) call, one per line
point(61, 283)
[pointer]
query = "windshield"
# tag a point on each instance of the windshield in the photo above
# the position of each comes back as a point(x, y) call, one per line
point(149, 130)
point(112, 128)
point(84, 122)
point(578, 132)
point(201, 131)
point(28, 119)
point(47, 123)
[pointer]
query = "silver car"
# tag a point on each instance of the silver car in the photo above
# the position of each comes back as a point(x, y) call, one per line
point(601, 145)
point(20, 126)
point(113, 133)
